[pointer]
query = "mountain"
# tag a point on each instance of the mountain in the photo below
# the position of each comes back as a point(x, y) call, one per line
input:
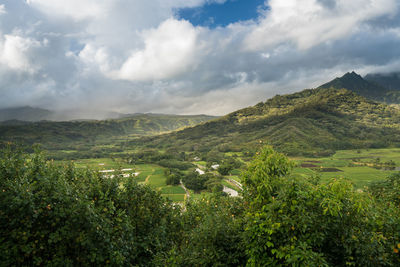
point(100, 136)
point(354, 82)
point(24, 114)
point(31, 114)
point(312, 122)
point(391, 81)
point(378, 87)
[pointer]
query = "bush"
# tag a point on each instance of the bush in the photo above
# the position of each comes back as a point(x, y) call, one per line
point(212, 234)
point(195, 181)
point(296, 221)
point(60, 215)
point(174, 176)
point(387, 190)
point(176, 164)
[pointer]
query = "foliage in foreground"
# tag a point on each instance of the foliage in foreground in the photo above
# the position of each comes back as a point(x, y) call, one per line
point(292, 221)
point(52, 215)
point(59, 215)
point(212, 234)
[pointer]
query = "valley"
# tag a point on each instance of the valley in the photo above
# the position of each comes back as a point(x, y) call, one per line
point(329, 132)
point(298, 167)
point(361, 167)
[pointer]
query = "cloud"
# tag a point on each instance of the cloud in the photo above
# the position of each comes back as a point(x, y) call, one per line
point(310, 22)
point(169, 51)
point(15, 50)
point(2, 9)
point(137, 56)
point(77, 9)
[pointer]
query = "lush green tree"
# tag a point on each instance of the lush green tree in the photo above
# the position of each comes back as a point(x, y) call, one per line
point(387, 190)
point(59, 215)
point(174, 176)
point(212, 234)
point(300, 222)
point(225, 169)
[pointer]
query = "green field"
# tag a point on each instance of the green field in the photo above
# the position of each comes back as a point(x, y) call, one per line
point(168, 190)
point(157, 178)
point(355, 165)
point(175, 197)
point(349, 164)
point(102, 163)
point(150, 174)
point(144, 170)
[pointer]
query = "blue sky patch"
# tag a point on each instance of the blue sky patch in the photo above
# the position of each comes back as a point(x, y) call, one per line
point(215, 15)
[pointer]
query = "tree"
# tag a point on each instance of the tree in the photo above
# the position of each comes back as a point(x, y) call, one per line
point(211, 236)
point(60, 215)
point(297, 221)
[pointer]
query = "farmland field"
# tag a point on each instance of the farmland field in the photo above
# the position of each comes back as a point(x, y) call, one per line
point(355, 165)
point(360, 166)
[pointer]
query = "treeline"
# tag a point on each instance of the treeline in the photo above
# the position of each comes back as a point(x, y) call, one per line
point(54, 215)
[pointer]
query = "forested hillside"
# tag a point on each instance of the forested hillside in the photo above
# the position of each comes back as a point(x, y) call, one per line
point(85, 135)
point(312, 122)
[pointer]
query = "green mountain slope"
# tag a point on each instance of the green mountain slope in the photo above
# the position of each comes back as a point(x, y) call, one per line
point(83, 135)
point(312, 122)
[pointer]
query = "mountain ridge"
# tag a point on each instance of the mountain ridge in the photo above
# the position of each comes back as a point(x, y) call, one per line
point(311, 122)
point(377, 87)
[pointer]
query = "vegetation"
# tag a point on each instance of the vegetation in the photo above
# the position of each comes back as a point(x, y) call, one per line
point(360, 166)
point(303, 222)
point(53, 214)
point(89, 139)
point(60, 215)
point(310, 123)
point(335, 204)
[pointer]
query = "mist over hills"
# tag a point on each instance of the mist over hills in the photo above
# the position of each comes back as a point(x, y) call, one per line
point(347, 112)
point(379, 87)
point(33, 114)
point(25, 114)
point(389, 80)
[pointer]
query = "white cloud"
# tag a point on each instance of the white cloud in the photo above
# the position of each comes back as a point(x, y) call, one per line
point(169, 51)
point(77, 9)
point(14, 52)
point(95, 57)
point(135, 56)
point(309, 22)
point(2, 9)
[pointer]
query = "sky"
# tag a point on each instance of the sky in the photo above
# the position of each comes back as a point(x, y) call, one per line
point(186, 56)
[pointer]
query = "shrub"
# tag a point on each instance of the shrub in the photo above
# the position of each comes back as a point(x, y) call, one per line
point(296, 221)
point(60, 215)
